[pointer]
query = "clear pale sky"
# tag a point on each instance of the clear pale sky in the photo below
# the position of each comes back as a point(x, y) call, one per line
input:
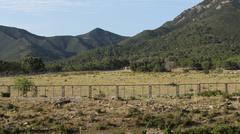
point(74, 17)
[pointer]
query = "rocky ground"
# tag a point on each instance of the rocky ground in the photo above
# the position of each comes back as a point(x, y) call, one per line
point(116, 116)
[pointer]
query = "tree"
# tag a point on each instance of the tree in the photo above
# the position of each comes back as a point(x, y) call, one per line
point(24, 85)
point(207, 65)
point(196, 66)
point(54, 67)
point(231, 65)
point(32, 64)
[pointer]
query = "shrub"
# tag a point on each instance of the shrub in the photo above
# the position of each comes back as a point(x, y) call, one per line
point(150, 121)
point(207, 65)
point(100, 96)
point(9, 106)
point(102, 126)
point(236, 94)
point(133, 112)
point(62, 129)
point(218, 129)
point(24, 85)
point(232, 64)
point(210, 93)
point(101, 111)
point(168, 122)
point(5, 94)
point(201, 130)
point(226, 129)
point(119, 132)
point(196, 66)
point(54, 67)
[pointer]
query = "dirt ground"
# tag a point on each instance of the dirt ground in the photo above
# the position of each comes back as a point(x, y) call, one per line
point(115, 116)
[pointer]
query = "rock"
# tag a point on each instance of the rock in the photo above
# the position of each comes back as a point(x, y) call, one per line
point(211, 107)
point(3, 116)
point(218, 7)
point(114, 98)
point(61, 102)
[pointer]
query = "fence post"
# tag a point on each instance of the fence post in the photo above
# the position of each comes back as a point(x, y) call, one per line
point(9, 90)
point(199, 88)
point(35, 91)
point(117, 92)
point(177, 90)
point(72, 91)
point(53, 93)
point(226, 88)
point(150, 91)
point(45, 91)
point(90, 92)
point(63, 91)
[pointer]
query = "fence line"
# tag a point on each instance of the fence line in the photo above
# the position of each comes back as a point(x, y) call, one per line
point(122, 91)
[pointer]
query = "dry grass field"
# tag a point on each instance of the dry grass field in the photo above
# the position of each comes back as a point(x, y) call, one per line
point(121, 77)
point(125, 78)
point(126, 115)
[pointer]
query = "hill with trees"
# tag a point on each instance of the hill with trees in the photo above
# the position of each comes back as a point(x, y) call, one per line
point(205, 36)
point(17, 43)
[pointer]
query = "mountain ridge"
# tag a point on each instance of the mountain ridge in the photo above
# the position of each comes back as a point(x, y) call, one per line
point(209, 30)
point(16, 42)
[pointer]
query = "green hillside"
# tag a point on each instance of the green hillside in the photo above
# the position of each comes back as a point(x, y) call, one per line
point(207, 32)
point(16, 43)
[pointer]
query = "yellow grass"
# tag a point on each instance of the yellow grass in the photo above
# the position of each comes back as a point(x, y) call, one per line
point(121, 77)
point(118, 77)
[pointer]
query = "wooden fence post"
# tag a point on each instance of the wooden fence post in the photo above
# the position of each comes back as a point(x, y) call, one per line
point(226, 88)
point(9, 90)
point(117, 92)
point(199, 88)
point(63, 91)
point(177, 90)
point(45, 91)
point(35, 91)
point(90, 92)
point(53, 93)
point(72, 91)
point(150, 91)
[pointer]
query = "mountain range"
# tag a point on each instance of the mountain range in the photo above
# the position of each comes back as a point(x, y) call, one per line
point(209, 30)
point(16, 43)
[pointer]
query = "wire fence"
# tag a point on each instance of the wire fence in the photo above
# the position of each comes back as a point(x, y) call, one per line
point(121, 91)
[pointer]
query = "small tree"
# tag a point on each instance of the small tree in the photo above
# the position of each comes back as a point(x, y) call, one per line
point(196, 66)
point(207, 65)
point(32, 64)
point(24, 85)
point(231, 65)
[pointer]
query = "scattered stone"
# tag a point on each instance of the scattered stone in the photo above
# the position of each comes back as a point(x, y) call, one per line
point(3, 116)
point(59, 103)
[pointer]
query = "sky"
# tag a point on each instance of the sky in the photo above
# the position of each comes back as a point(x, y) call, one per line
point(75, 17)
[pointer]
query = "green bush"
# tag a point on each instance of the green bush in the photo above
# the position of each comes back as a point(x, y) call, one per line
point(102, 126)
point(236, 94)
point(226, 129)
point(8, 107)
point(133, 112)
point(169, 121)
point(217, 129)
point(232, 64)
point(201, 130)
point(24, 85)
point(210, 93)
point(5, 94)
